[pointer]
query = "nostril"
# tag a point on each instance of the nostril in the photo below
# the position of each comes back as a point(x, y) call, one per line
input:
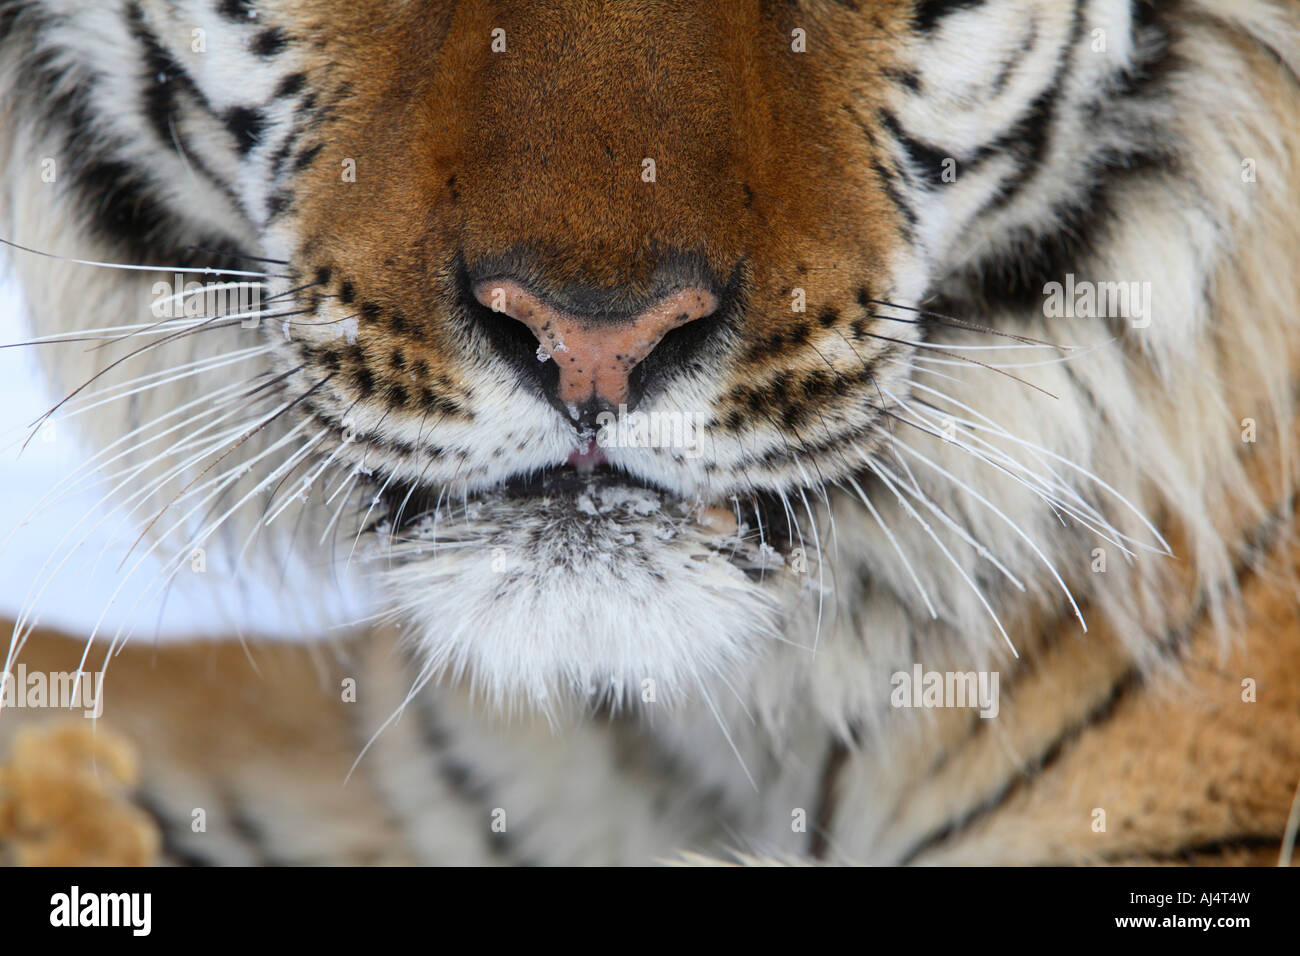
point(595, 354)
point(679, 351)
point(506, 338)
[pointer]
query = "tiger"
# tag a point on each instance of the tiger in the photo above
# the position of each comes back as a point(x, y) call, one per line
point(833, 432)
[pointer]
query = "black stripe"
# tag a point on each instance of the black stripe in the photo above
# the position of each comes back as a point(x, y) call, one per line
point(1025, 140)
point(1217, 847)
point(159, 78)
point(1029, 137)
point(907, 78)
point(930, 12)
point(888, 180)
point(162, 80)
point(1012, 278)
point(177, 845)
point(1264, 537)
point(924, 159)
point(117, 199)
point(250, 831)
point(1043, 761)
point(463, 782)
point(1028, 256)
point(307, 157)
point(1025, 47)
point(239, 11)
point(827, 799)
point(895, 196)
point(281, 155)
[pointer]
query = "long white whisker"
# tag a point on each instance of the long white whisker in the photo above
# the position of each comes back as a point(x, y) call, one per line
point(1011, 524)
point(179, 523)
point(307, 482)
point(821, 569)
point(203, 270)
point(713, 707)
point(1072, 465)
point(980, 549)
point(934, 615)
point(22, 626)
point(202, 536)
point(880, 473)
point(1049, 491)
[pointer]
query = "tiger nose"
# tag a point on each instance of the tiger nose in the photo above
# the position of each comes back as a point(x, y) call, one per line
point(595, 354)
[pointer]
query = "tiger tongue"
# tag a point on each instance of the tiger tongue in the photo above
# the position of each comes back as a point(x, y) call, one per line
point(587, 459)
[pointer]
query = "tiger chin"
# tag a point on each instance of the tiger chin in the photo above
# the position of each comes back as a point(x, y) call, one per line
point(703, 372)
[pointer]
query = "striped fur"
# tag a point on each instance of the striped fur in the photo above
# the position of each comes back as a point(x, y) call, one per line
point(919, 162)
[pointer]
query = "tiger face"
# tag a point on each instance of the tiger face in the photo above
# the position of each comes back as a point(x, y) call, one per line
point(590, 207)
point(571, 220)
point(616, 311)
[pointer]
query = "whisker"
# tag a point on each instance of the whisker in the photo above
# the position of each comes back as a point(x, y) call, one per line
point(206, 532)
point(236, 255)
point(158, 542)
point(925, 596)
point(203, 270)
point(713, 707)
point(879, 471)
point(1060, 360)
point(26, 622)
point(980, 549)
point(210, 404)
point(1050, 492)
point(104, 371)
point(939, 318)
point(1068, 463)
point(245, 437)
point(205, 402)
point(821, 569)
point(944, 351)
point(167, 377)
point(308, 480)
point(1000, 514)
point(345, 484)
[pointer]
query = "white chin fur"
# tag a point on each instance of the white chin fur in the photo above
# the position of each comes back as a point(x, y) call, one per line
point(606, 594)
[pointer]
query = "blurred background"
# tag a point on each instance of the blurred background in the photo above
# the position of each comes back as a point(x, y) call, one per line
point(88, 589)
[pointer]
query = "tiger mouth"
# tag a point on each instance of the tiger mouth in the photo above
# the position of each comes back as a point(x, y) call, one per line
point(750, 531)
point(569, 480)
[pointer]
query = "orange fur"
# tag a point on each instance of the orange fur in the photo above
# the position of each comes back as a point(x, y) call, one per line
point(64, 799)
point(760, 156)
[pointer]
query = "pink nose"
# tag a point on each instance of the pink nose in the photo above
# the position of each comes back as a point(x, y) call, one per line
point(595, 355)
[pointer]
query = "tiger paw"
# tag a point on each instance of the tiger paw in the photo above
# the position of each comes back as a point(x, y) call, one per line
point(65, 800)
